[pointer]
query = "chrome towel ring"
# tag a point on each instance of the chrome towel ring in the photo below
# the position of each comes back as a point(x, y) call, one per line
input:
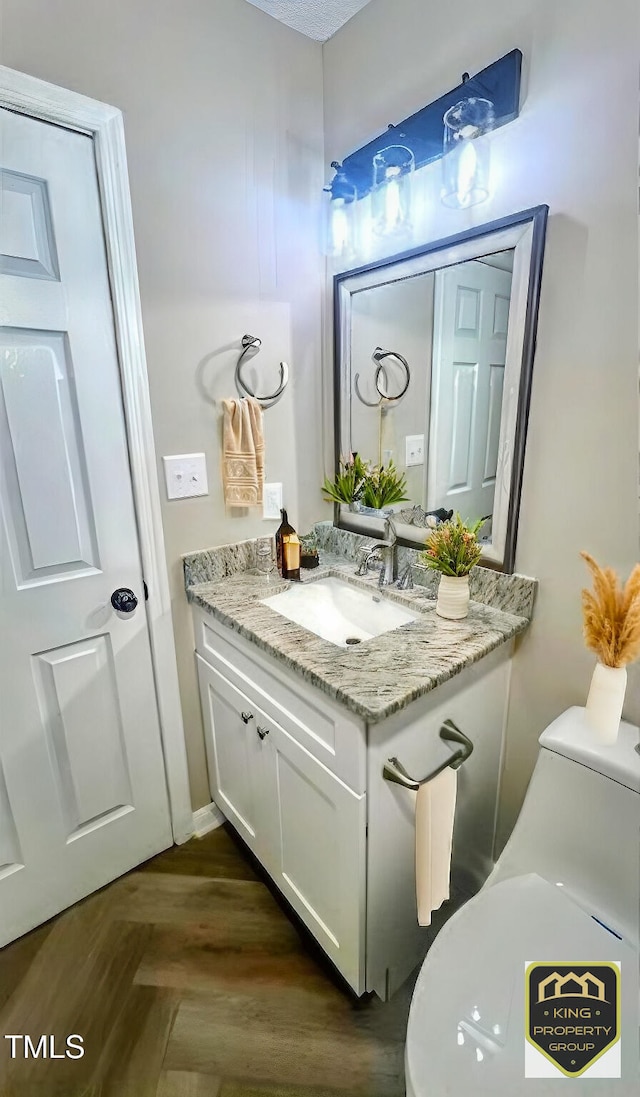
point(253, 343)
point(378, 357)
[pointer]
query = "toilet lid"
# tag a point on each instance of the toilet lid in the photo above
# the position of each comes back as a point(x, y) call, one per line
point(466, 1024)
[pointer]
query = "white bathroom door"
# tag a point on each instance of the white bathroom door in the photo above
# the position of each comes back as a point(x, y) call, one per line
point(82, 782)
point(469, 348)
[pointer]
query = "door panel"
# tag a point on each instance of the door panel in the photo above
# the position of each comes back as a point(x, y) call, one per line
point(492, 442)
point(10, 854)
point(233, 753)
point(318, 844)
point(467, 312)
point(83, 790)
point(465, 380)
point(470, 335)
point(27, 243)
point(313, 881)
point(500, 315)
point(47, 503)
point(89, 758)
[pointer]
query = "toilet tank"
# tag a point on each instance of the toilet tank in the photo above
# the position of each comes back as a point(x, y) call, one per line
point(580, 822)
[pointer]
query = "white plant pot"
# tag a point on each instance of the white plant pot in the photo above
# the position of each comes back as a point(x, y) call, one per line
point(453, 597)
point(604, 703)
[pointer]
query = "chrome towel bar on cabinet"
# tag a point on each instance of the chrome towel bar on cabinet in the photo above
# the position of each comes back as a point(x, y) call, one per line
point(395, 772)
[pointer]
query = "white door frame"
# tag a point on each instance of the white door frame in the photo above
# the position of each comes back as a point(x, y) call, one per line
point(104, 124)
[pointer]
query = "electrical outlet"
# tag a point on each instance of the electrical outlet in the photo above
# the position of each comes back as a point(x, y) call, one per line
point(271, 501)
point(387, 456)
point(414, 444)
point(185, 475)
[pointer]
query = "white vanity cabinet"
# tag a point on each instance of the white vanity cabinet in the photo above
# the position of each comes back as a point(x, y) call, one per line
point(288, 771)
point(299, 776)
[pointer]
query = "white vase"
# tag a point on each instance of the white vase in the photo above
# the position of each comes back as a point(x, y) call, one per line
point(604, 703)
point(453, 597)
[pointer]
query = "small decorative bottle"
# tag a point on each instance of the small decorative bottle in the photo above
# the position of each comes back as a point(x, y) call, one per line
point(284, 530)
point(291, 553)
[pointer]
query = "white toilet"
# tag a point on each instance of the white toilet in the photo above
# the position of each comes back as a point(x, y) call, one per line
point(565, 889)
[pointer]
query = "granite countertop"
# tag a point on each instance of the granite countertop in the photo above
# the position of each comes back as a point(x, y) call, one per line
point(378, 677)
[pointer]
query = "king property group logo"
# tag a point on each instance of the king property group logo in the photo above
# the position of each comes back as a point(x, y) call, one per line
point(572, 1019)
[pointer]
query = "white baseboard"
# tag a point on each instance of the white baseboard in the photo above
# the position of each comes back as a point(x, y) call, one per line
point(206, 819)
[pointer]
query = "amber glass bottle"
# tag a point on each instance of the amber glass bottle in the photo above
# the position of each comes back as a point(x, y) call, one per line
point(291, 556)
point(283, 530)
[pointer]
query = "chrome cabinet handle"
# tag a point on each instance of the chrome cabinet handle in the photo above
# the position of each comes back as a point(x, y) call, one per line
point(262, 732)
point(246, 716)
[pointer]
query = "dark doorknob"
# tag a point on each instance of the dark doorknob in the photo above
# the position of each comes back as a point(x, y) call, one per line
point(124, 600)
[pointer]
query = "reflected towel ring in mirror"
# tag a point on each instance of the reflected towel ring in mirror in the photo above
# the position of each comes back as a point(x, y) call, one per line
point(378, 356)
point(253, 343)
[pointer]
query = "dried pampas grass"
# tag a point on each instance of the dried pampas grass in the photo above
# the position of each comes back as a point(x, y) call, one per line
point(612, 615)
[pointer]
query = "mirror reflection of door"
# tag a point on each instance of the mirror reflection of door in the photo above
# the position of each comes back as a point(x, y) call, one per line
point(467, 380)
point(451, 326)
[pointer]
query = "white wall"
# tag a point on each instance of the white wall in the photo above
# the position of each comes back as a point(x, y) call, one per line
point(574, 148)
point(223, 120)
point(397, 316)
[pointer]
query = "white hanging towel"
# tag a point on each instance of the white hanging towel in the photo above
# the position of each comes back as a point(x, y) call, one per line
point(435, 813)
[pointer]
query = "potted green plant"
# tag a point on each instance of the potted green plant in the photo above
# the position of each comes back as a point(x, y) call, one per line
point(309, 555)
point(383, 486)
point(349, 481)
point(452, 549)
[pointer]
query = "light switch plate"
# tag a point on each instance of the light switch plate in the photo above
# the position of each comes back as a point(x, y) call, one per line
point(271, 501)
point(414, 444)
point(185, 475)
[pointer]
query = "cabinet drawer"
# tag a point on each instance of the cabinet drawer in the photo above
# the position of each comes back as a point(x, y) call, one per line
point(327, 730)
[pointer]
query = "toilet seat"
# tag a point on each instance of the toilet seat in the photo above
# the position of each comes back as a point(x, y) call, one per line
point(466, 1025)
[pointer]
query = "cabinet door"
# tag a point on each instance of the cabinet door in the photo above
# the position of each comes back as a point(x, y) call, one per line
point(318, 850)
point(476, 701)
point(234, 754)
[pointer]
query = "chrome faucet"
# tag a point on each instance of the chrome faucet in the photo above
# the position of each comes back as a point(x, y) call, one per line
point(383, 552)
point(389, 569)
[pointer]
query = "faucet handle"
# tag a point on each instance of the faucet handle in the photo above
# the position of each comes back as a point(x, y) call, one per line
point(363, 556)
point(405, 582)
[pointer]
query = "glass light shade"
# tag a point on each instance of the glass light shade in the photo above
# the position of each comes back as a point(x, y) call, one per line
point(466, 161)
point(393, 169)
point(340, 217)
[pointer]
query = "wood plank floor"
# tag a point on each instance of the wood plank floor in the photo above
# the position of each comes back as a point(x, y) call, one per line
point(186, 978)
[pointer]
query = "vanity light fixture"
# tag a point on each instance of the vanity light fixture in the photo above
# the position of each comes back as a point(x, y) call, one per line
point(393, 169)
point(340, 216)
point(384, 168)
point(466, 159)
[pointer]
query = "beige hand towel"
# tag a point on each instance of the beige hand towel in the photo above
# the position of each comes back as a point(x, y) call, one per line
point(435, 814)
point(243, 453)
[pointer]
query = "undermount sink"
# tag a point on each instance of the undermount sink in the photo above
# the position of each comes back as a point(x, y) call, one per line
point(338, 611)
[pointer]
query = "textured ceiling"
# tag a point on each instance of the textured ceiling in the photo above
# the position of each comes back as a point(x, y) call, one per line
point(318, 19)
